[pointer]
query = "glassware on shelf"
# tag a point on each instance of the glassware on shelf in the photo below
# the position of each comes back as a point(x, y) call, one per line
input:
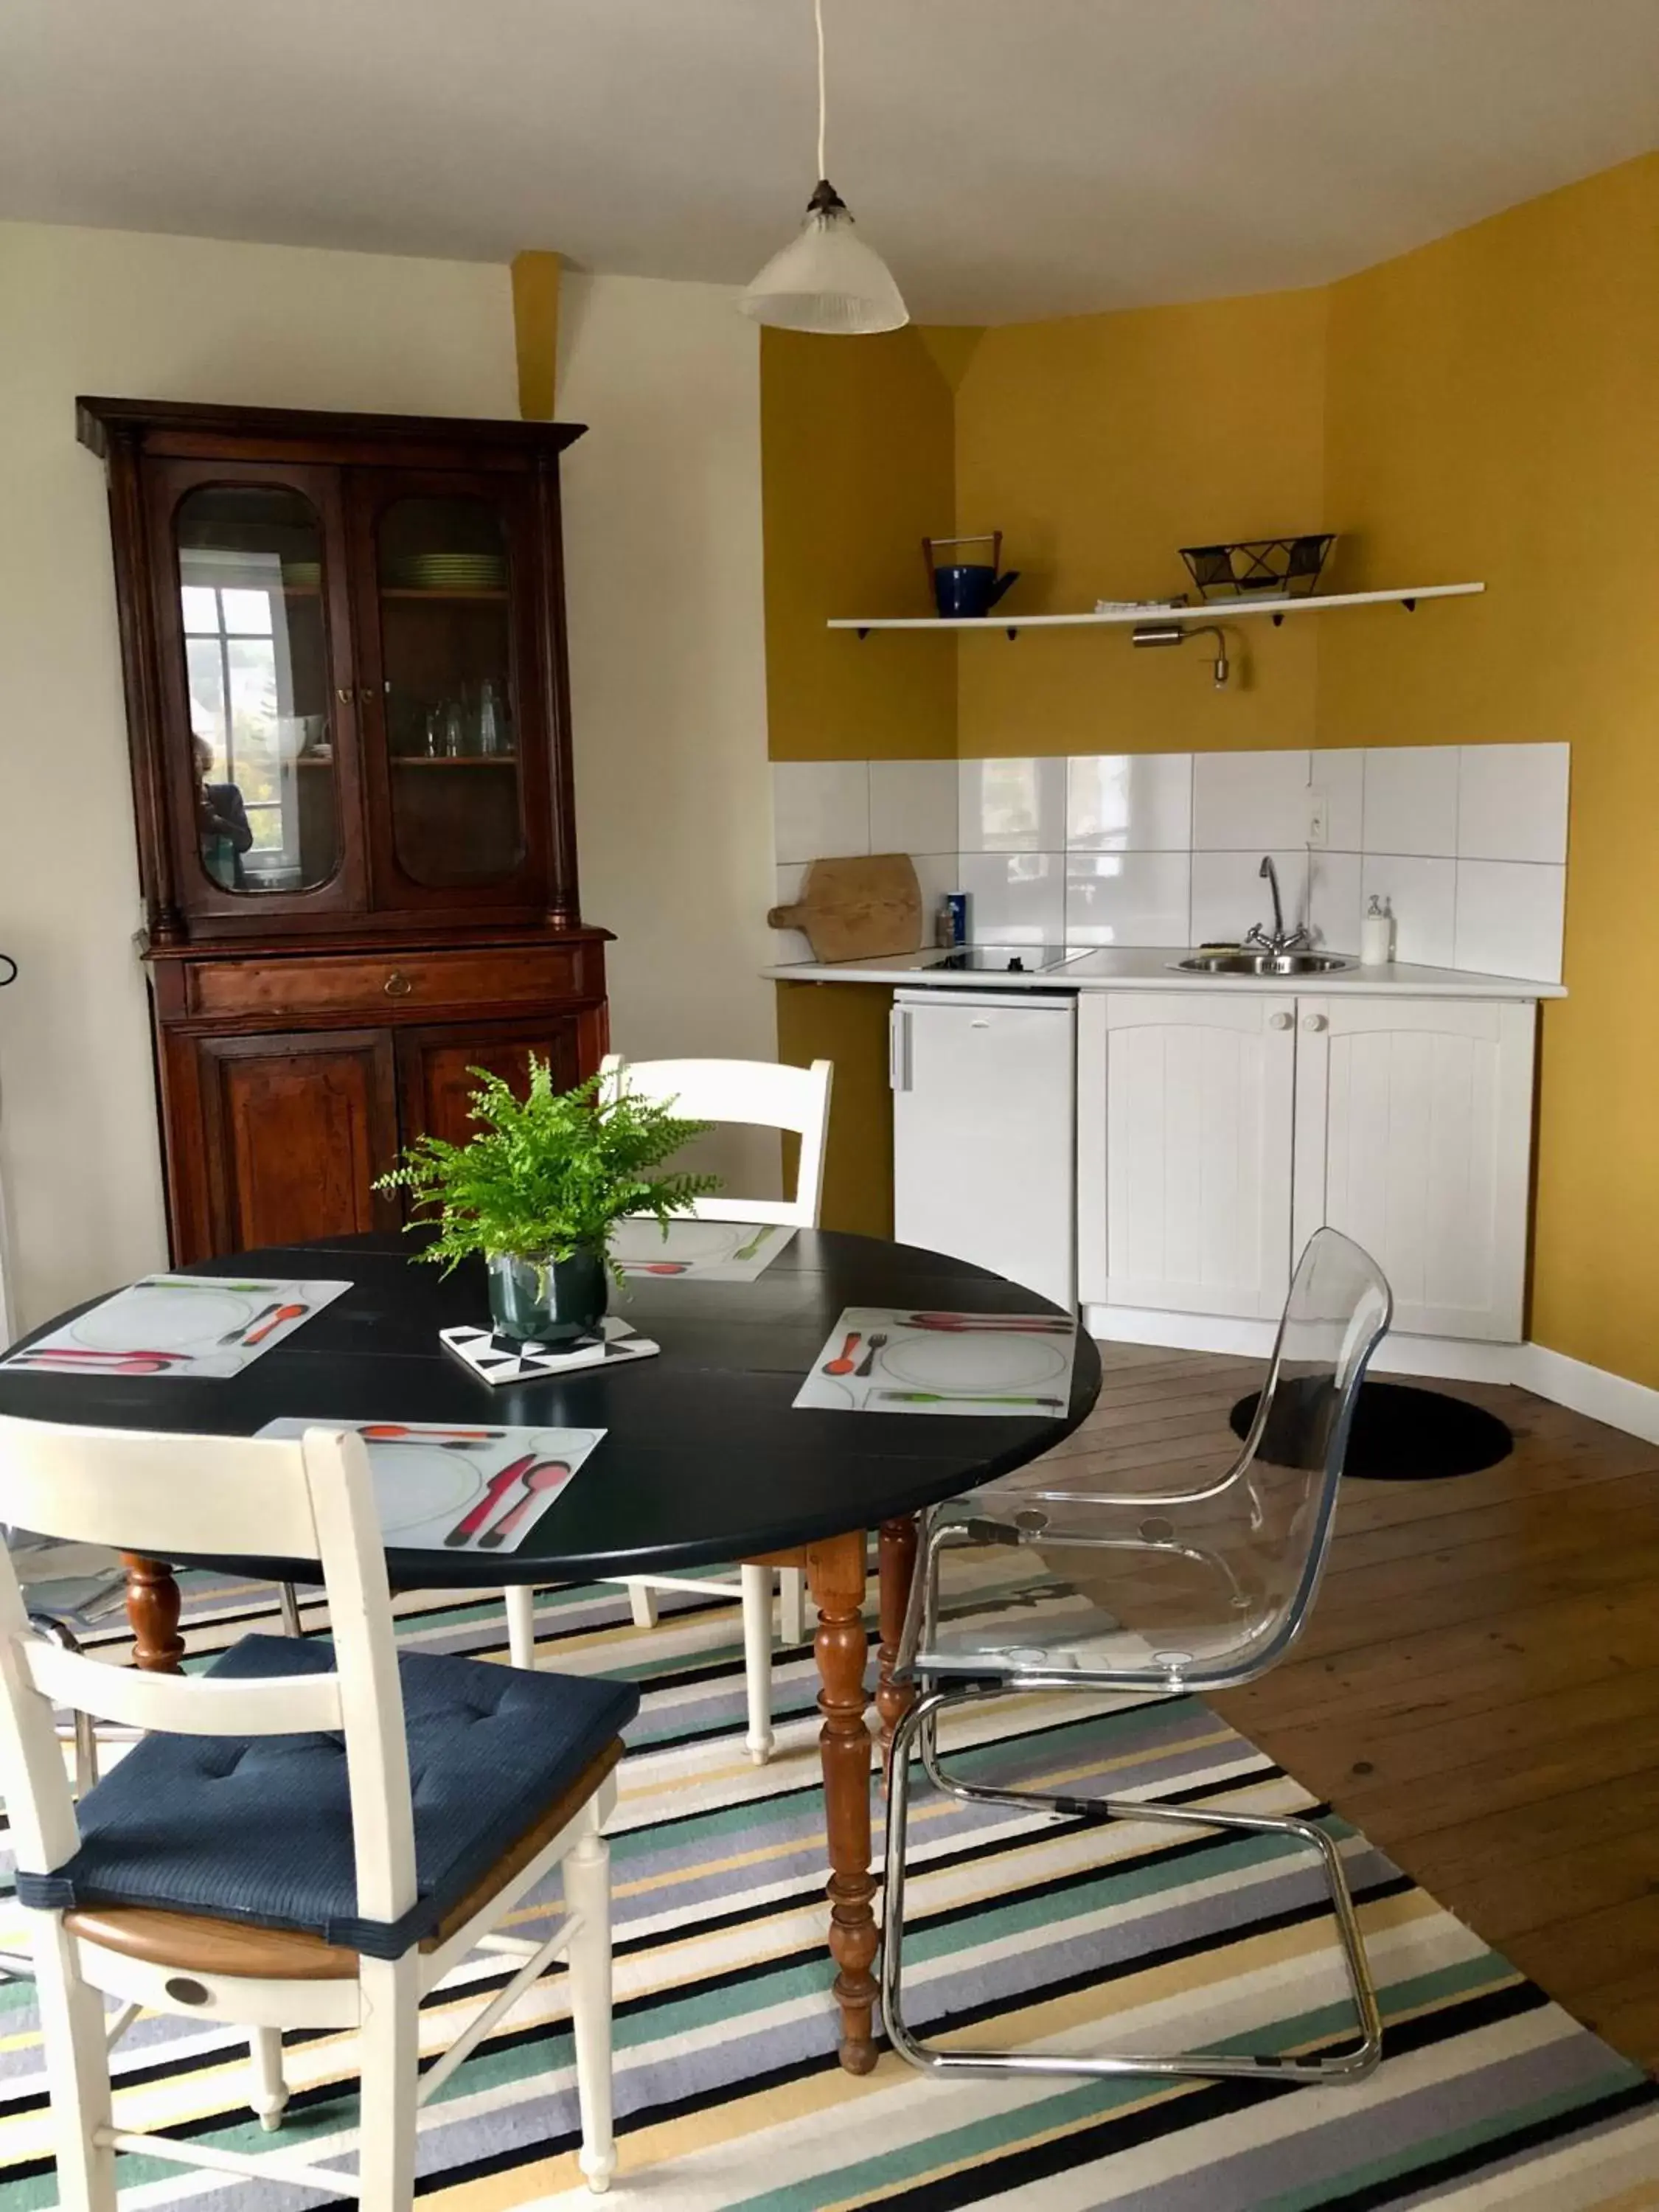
point(492, 733)
point(454, 730)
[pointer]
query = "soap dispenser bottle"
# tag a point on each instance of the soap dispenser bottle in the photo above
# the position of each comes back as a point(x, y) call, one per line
point(1376, 933)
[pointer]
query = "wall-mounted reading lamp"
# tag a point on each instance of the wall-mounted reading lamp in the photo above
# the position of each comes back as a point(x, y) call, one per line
point(1174, 632)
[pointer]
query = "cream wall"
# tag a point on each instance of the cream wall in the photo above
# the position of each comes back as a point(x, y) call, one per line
point(149, 318)
point(662, 527)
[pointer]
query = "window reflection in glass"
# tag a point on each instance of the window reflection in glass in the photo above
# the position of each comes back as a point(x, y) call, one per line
point(250, 592)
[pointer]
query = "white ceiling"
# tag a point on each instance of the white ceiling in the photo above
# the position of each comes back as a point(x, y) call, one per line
point(1010, 158)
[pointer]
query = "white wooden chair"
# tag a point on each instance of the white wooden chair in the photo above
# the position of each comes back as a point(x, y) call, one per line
point(203, 1877)
point(761, 1094)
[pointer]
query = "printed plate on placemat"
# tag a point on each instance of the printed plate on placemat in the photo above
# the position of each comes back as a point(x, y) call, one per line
point(505, 1359)
point(884, 1360)
point(196, 1325)
point(473, 1488)
point(717, 1251)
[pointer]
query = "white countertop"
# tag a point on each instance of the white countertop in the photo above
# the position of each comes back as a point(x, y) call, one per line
point(1151, 968)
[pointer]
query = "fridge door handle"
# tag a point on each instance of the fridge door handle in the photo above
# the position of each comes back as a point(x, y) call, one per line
point(898, 1049)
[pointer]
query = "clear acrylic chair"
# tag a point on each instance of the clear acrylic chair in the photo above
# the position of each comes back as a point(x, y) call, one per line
point(1179, 1591)
point(760, 1094)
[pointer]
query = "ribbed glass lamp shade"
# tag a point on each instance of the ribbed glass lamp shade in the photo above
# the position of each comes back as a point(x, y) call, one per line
point(827, 279)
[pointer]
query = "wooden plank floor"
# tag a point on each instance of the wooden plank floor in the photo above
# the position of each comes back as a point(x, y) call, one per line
point(1479, 1687)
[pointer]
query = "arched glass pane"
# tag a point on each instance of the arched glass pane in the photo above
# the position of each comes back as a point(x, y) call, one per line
point(451, 724)
point(256, 662)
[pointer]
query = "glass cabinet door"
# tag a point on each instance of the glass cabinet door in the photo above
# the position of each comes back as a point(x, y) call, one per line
point(263, 777)
point(442, 575)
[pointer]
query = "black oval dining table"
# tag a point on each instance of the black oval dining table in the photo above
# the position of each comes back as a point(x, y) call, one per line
point(705, 1458)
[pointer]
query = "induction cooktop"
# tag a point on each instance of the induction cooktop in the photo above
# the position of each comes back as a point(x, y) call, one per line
point(1007, 959)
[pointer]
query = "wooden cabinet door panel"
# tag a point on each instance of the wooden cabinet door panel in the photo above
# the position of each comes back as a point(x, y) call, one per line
point(435, 1080)
point(297, 1129)
point(1414, 1129)
point(1185, 1102)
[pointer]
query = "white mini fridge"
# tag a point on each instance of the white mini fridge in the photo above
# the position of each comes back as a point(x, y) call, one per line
point(984, 1131)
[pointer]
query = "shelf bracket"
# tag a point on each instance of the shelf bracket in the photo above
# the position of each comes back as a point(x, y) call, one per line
point(1012, 635)
point(1278, 621)
point(1409, 606)
point(863, 634)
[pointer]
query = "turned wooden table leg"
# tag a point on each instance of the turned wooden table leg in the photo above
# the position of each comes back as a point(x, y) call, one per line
point(152, 1614)
point(898, 1568)
point(836, 1572)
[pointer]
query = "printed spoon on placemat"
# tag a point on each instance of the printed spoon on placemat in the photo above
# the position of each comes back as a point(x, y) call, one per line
point(1004, 1324)
point(494, 1490)
point(550, 1471)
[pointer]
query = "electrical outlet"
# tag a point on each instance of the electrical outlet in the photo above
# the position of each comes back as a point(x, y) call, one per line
point(1319, 817)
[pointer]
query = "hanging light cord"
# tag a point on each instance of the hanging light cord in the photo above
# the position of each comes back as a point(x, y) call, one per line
point(818, 18)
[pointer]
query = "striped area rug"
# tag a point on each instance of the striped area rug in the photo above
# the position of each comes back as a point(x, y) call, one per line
point(727, 2089)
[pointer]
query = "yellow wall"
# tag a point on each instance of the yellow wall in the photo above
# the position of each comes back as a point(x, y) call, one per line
point(1099, 445)
point(857, 468)
point(1493, 412)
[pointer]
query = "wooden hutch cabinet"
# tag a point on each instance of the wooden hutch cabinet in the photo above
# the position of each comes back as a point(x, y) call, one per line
point(342, 639)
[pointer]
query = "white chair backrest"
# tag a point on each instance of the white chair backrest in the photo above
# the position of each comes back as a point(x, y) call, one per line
point(764, 1093)
point(306, 1498)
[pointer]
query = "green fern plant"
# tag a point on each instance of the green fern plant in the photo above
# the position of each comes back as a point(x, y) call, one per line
point(549, 1175)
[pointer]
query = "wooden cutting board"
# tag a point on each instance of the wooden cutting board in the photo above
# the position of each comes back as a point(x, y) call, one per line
point(857, 909)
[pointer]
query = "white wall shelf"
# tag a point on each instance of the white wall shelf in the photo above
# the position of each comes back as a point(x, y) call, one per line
point(1211, 611)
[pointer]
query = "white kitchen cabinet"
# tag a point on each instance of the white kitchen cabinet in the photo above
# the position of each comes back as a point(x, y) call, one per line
point(1413, 1126)
point(1185, 1103)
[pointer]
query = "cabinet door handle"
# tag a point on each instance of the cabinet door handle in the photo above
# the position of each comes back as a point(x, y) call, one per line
point(344, 693)
point(397, 984)
point(365, 693)
point(898, 1049)
point(1314, 1022)
point(1279, 1021)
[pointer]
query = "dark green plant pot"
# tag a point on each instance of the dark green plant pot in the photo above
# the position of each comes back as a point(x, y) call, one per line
point(538, 1301)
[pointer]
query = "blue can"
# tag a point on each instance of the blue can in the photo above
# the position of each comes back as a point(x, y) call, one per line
point(958, 902)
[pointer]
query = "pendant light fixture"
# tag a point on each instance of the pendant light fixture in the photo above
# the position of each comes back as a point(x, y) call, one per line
point(827, 280)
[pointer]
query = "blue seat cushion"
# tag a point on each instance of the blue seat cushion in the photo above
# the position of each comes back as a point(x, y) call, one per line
point(257, 1829)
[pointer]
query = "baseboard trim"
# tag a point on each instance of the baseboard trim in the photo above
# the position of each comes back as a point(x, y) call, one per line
point(1592, 1391)
point(1603, 1397)
point(1455, 1359)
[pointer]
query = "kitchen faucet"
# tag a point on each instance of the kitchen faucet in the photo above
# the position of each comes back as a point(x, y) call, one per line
point(1279, 939)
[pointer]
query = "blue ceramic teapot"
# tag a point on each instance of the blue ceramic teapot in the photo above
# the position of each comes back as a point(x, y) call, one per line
point(965, 587)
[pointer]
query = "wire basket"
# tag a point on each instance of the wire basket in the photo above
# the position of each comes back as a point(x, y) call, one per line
point(1259, 568)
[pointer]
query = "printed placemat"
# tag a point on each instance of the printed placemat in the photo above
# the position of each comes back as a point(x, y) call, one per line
point(505, 1359)
point(715, 1251)
point(194, 1325)
point(471, 1489)
point(885, 1360)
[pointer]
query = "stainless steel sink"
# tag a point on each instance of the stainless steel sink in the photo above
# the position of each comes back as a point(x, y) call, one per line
point(1262, 963)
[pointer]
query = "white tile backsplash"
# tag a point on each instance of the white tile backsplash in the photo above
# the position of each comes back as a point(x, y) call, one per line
point(1012, 805)
point(1228, 894)
point(1466, 844)
point(1129, 803)
point(913, 806)
point(1510, 916)
point(1333, 900)
point(820, 810)
point(1421, 894)
point(1411, 799)
point(1339, 778)
point(1015, 898)
point(1127, 898)
point(1512, 803)
point(1244, 802)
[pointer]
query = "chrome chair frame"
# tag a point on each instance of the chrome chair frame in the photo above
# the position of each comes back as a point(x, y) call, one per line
point(917, 1733)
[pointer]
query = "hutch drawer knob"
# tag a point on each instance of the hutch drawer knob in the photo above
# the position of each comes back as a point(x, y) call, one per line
point(1314, 1022)
point(397, 984)
point(1279, 1021)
